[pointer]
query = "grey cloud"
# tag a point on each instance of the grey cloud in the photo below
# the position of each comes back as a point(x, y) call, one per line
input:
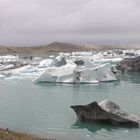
point(25, 22)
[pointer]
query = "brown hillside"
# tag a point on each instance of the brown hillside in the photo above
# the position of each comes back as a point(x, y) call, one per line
point(50, 48)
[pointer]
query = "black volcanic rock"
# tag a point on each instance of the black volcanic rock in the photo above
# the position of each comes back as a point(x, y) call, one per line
point(79, 62)
point(107, 112)
point(129, 64)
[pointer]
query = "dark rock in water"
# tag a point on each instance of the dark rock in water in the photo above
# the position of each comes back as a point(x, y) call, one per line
point(130, 54)
point(115, 71)
point(79, 62)
point(129, 64)
point(106, 112)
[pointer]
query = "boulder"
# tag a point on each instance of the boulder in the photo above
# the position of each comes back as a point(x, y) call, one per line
point(129, 64)
point(106, 112)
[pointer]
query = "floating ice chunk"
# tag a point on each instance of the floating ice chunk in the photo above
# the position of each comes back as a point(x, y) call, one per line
point(70, 73)
point(60, 61)
point(108, 60)
point(6, 67)
point(57, 62)
point(103, 73)
point(57, 74)
point(8, 58)
point(89, 64)
point(51, 56)
point(21, 73)
point(46, 63)
point(24, 69)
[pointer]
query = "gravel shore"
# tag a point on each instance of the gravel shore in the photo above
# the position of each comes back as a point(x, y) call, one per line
point(6, 134)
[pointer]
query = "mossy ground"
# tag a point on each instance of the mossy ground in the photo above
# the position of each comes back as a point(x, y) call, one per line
point(11, 135)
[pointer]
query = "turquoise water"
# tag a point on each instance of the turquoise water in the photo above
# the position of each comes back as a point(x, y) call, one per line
point(44, 109)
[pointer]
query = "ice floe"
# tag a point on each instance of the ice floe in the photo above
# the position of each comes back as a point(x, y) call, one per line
point(70, 73)
point(76, 67)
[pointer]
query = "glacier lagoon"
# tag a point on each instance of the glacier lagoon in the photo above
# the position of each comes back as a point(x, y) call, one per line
point(44, 109)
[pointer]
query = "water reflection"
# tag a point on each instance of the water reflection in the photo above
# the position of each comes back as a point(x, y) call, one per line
point(79, 86)
point(131, 77)
point(93, 127)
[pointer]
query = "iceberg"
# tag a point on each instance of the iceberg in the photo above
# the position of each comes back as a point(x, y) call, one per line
point(46, 63)
point(57, 74)
point(6, 67)
point(24, 69)
point(57, 62)
point(104, 73)
point(8, 58)
point(27, 71)
point(76, 67)
point(70, 73)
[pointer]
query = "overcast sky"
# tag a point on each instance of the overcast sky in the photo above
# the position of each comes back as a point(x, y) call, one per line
point(35, 22)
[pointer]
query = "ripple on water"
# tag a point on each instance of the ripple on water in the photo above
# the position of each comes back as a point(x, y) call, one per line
point(45, 108)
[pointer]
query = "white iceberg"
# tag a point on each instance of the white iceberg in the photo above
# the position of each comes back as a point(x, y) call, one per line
point(8, 58)
point(46, 63)
point(57, 62)
point(57, 74)
point(27, 71)
point(24, 69)
point(70, 73)
point(6, 67)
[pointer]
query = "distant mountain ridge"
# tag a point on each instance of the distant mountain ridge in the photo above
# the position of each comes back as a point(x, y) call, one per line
point(54, 47)
point(57, 47)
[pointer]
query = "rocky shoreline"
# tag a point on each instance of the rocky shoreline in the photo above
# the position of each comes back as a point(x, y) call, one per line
point(6, 134)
